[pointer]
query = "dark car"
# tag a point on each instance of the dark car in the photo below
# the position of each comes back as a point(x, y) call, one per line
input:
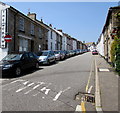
point(94, 52)
point(15, 63)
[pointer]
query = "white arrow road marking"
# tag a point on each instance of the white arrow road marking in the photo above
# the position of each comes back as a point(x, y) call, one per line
point(58, 95)
point(44, 88)
point(89, 90)
point(24, 87)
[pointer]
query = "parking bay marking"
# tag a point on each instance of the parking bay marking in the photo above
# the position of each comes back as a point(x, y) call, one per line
point(56, 96)
point(35, 87)
point(24, 83)
point(44, 88)
point(24, 87)
point(15, 81)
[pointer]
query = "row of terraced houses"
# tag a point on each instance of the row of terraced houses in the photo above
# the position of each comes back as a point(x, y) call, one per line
point(30, 34)
point(111, 27)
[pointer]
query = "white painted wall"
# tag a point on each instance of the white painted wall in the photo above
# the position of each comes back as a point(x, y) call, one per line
point(3, 49)
point(3, 53)
point(74, 44)
point(100, 46)
point(64, 42)
point(51, 40)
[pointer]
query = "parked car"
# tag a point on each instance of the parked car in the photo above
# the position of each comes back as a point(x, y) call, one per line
point(71, 53)
point(46, 57)
point(67, 54)
point(15, 63)
point(57, 55)
point(61, 53)
point(94, 52)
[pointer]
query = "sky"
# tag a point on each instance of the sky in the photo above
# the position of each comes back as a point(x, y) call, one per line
point(81, 20)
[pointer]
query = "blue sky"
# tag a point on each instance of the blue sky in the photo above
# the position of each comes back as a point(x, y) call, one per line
point(81, 20)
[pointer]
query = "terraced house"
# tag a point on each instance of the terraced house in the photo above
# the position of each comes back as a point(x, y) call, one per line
point(27, 34)
point(30, 34)
point(111, 27)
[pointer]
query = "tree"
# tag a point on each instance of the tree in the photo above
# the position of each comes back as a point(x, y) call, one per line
point(113, 49)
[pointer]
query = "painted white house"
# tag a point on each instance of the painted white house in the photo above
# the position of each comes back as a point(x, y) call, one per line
point(91, 46)
point(74, 44)
point(100, 45)
point(64, 42)
point(51, 39)
point(59, 36)
point(3, 29)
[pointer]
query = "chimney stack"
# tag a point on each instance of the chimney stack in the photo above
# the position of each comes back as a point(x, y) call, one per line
point(32, 15)
point(60, 30)
point(50, 25)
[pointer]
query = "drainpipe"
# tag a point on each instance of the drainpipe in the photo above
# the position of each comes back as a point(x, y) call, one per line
point(15, 31)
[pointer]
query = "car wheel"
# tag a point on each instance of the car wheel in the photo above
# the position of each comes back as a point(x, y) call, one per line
point(37, 65)
point(55, 60)
point(18, 71)
point(48, 62)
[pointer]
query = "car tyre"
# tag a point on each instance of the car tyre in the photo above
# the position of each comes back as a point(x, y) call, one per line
point(37, 65)
point(18, 71)
point(55, 60)
point(48, 62)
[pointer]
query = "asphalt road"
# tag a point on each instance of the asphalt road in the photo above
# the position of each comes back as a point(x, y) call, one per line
point(51, 88)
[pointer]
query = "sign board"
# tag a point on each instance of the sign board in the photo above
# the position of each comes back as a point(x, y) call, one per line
point(8, 38)
point(3, 28)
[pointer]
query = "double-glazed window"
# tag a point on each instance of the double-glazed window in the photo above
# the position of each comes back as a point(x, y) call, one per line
point(40, 33)
point(23, 44)
point(32, 29)
point(21, 24)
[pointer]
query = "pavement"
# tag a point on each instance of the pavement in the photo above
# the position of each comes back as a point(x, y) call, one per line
point(108, 84)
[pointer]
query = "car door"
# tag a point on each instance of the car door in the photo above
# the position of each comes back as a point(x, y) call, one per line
point(52, 56)
point(32, 59)
point(25, 61)
point(49, 56)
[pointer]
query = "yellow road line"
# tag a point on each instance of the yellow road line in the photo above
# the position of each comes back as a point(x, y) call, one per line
point(83, 107)
point(89, 78)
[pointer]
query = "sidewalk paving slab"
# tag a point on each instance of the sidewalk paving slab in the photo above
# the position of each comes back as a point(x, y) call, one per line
point(108, 86)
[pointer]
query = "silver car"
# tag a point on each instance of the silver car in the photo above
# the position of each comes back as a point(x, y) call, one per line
point(46, 57)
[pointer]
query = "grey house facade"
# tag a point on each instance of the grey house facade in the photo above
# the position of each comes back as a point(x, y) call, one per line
point(27, 34)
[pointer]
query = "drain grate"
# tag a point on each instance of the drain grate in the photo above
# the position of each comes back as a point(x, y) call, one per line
point(88, 97)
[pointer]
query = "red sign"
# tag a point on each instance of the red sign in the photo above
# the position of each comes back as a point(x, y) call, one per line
point(8, 38)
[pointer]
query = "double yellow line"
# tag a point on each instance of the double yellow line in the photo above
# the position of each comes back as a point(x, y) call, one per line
point(89, 78)
point(83, 107)
point(83, 102)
